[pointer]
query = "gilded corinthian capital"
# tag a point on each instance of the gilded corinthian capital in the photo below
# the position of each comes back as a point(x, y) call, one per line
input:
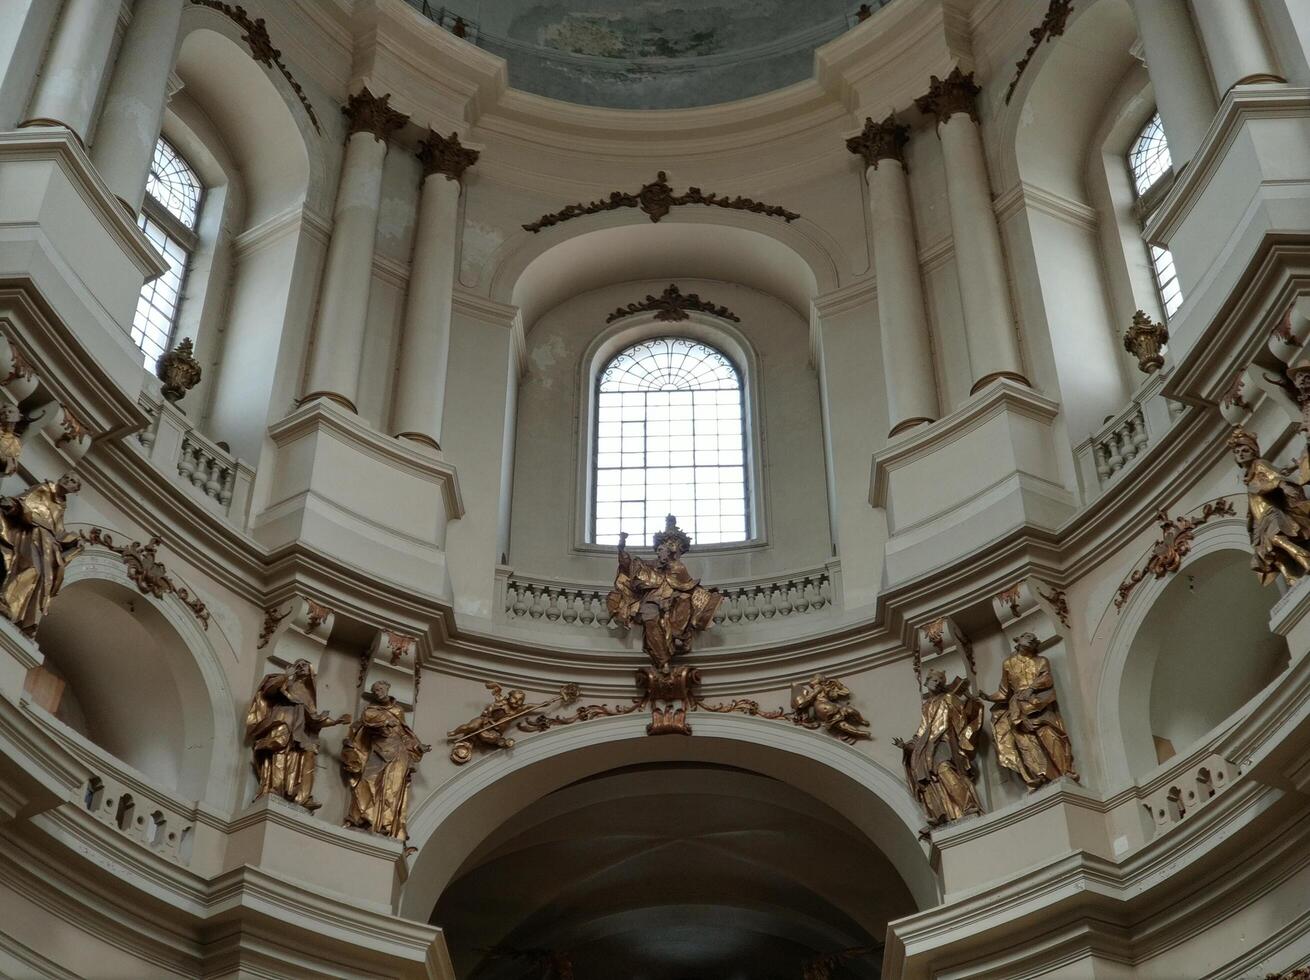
point(946, 97)
point(880, 141)
point(369, 113)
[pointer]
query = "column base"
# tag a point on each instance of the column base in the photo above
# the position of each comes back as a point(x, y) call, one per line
point(987, 379)
point(420, 438)
point(331, 396)
point(907, 425)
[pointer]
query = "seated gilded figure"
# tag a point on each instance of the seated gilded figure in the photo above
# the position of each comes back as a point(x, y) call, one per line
point(379, 758)
point(36, 549)
point(1277, 512)
point(1031, 739)
point(283, 723)
point(938, 759)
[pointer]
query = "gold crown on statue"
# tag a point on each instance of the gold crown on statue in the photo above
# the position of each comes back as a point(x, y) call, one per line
point(1240, 437)
point(673, 533)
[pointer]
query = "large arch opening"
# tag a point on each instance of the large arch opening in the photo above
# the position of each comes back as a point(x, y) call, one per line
point(745, 850)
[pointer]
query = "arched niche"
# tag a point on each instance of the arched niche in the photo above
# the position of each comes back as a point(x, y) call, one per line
point(140, 679)
point(450, 826)
point(1190, 653)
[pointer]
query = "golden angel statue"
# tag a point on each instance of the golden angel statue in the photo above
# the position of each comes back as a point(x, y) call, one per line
point(939, 758)
point(379, 758)
point(662, 597)
point(820, 703)
point(1277, 514)
point(283, 723)
point(36, 549)
point(488, 730)
point(1031, 738)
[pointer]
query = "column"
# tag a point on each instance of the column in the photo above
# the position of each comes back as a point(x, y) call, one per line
point(74, 67)
point(1235, 43)
point(134, 105)
point(979, 262)
point(902, 320)
point(343, 297)
point(425, 342)
point(1183, 92)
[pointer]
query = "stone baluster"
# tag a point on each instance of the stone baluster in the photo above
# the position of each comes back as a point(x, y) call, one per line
point(425, 343)
point(217, 477)
point(343, 302)
point(74, 67)
point(1174, 61)
point(229, 484)
point(1235, 43)
point(979, 261)
point(902, 321)
point(134, 104)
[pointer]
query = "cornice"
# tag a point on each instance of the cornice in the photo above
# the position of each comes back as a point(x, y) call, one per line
point(853, 296)
point(278, 226)
point(1025, 195)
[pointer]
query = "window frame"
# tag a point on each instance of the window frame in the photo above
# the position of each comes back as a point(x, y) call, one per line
point(699, 328)
point(1145, 201)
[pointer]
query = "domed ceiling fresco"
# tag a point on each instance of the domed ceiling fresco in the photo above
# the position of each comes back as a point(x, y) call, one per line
point(652, 54)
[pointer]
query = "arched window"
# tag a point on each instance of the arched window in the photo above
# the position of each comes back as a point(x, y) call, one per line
point(168, 217)
point(670, 439)
point(1149, 162)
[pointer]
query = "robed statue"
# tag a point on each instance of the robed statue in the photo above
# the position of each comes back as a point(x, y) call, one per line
point(1030, 735)
point(378, 760)
point(938, 760)
point(1277, 514)
point(282, 724)
point(661, 596)
point(36, 549)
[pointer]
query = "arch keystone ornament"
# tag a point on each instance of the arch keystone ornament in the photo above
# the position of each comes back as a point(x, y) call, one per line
point(671, 306)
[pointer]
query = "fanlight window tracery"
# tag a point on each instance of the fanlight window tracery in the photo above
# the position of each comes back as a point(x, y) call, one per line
point(1149, 161)
point(670, 439)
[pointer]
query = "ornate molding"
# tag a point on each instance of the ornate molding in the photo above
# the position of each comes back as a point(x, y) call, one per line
point(73, 430)
point(672, 305)
point(946, 97)
point(146, 570)
point(655, 200)
point(369, 113)
point(1052, 26)
point(261, 48)
point(880, 141)
point(445, 155)
point(271, 621)
point(1167, 554)
point(1059, 601)
point(399, 644)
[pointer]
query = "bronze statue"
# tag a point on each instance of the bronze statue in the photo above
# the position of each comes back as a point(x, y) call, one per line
point(378, 760)
point(1277, 516)
point(818, 705)
point(36, 549)
point(283, 722)
point(662, 597)
point(1030, 735)
point(939, 758)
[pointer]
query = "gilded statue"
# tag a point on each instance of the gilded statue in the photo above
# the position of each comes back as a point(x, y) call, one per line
point(487, 730)
point(1030, 735)
point(378, 759)
point(662, 597)
point(13, 424)
point(818, 704)
point(1277, 516)
point(938, 759)
point(283, 723)
point(36, 549)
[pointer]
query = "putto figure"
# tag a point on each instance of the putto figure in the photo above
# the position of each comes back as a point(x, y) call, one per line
point(488, 729)
point(283, 723)
point(379, 758)
point(662, 597)
point(939, 758)
point(1277, 515)
point(1031, 738)
point(36, 549)
point(818, 704)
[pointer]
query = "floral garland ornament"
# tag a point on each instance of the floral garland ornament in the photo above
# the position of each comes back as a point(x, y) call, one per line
point(146, 570)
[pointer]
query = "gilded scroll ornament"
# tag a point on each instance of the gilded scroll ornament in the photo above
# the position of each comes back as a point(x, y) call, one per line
point(1031, 738)
point(380, 755)
point(1277, 514)
point(179, 370)
point(938, 759)
point(655, 200)
point(1051, 27)
point(36, 549)
point(283, 724)
point(488, 730)
point(1175, 542)
point(820, 703)
point(671, 306)
point(147, 572)
point(1145, 340)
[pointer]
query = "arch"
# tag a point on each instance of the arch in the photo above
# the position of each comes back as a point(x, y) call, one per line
point(161, 660)
point(1127, 712)
point(450, 824)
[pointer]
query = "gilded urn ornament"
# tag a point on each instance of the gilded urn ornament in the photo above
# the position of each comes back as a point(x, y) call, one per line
point(179, 370)
point(1031, 739)
point(1145, 340)
point(36, 549)
point(938, 758)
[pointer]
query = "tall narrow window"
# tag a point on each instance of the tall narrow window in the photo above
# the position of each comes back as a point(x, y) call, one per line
point(1150, 163)
point(670, 439)
point(168, 218)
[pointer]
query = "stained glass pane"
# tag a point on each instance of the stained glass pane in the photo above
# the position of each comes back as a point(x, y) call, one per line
point(1149, 157)
point(670, 440)
point(174, 184)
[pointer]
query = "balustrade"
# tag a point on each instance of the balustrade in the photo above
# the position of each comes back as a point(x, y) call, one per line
point(1126, 437)
point(176, 447)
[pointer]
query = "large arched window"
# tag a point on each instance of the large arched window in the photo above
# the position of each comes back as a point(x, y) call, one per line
point(168, 217)
point(670, 439)
point(1150, 163)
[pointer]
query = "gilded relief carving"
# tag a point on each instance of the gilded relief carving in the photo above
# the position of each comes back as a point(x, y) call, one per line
point(820, 703)
point(671, 306)
point(1167, 554)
